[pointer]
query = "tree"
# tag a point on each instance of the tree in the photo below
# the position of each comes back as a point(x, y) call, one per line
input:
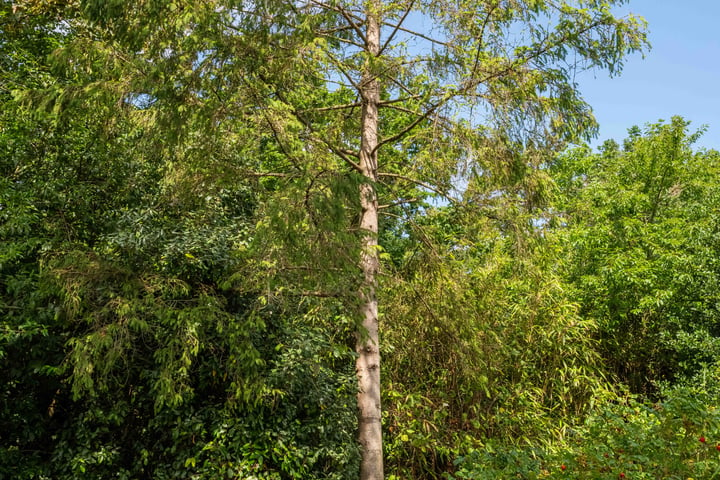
point(469, 62)
point(350, 96)
point(641, 222)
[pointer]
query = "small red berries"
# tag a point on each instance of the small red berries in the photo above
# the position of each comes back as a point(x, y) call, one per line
point(702, 439)
point(622, 475)
point(563, 467)
point(718, 447)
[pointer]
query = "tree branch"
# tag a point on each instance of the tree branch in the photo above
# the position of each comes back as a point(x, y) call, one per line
point(481, 41)
point(340, 67)
point(345, 40)
point(472, 83)
point(333, 107)
point(343, 153)
point(421, 117)
point(421, 184)
point(397, 27)
point(346, 15)
point(385, 103)
point(269, 174)
point(398, 202)
point(417, 34)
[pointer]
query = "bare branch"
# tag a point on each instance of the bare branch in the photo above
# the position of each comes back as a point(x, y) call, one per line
point(347, 15)
point(421, 184)
point(268, 174)
point(402, 87)
point(317, 293)
point(399, 202)
point(306, 293)
point(481, 39)
point(333, 107)
point(385, 103)
point(403, 109)
point(330, 31)
point(417, 34)
point(345, 40)
point(397, 27)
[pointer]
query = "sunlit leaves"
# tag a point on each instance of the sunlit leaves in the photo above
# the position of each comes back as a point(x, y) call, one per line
point(641, 222)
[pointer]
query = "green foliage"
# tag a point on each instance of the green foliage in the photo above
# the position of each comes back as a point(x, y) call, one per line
point(642, 225)
point(624, 438)
point(179, 241)
point(133, 343)
point(302, 428)
point(485, 344)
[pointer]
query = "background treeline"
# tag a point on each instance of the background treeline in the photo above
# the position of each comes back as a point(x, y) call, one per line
point(175, 302)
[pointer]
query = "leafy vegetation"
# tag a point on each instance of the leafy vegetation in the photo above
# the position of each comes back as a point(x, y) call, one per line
point(195, 238)
point(622, 438)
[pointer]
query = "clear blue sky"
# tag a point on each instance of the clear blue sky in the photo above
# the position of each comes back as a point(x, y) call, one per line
point(680, 75)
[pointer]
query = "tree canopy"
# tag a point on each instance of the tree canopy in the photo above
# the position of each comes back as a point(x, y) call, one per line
point(216, 217)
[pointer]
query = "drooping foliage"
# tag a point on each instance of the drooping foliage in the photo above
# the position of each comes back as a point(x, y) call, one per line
point(179, 243)
point(632, 231)
point(490, 344)
point(129, 347)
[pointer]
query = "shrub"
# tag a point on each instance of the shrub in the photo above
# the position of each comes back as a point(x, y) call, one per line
point(622, 438)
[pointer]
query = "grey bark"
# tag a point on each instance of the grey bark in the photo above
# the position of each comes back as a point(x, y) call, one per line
point(368, 342)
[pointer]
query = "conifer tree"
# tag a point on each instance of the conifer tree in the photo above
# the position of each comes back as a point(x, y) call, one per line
point(391, 100)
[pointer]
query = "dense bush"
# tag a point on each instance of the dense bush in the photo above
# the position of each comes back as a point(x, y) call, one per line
point(621, 438)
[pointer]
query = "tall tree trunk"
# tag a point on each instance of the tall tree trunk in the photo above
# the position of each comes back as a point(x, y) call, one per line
point(368, 341)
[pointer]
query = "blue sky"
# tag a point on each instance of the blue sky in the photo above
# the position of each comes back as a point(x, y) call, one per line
point(680, 75)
